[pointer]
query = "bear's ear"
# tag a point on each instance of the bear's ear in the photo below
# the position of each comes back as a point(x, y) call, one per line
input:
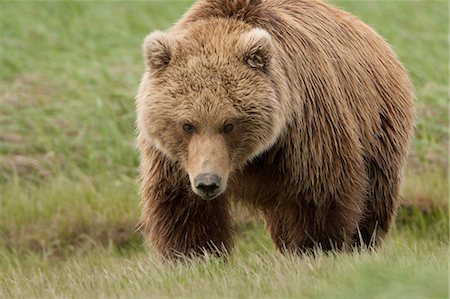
point(157, 50)
point(256, 47)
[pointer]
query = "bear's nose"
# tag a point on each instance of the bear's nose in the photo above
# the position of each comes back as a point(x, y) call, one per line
point(207, 183)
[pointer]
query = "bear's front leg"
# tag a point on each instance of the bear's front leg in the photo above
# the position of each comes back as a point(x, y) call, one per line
point(176, 221)
point(177, 227)
point(303, 226)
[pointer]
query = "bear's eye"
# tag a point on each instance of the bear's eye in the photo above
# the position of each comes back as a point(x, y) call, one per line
point(188, 128)
point(228, 128)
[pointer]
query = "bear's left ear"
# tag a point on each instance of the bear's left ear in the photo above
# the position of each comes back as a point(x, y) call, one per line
point(256, 48)
point(157, 49)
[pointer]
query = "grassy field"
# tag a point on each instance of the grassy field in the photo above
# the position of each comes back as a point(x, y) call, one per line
point(68, 202)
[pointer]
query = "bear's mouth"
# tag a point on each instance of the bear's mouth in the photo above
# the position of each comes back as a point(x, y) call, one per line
point(209, 196)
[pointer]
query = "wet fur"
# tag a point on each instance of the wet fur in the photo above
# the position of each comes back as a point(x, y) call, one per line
point(331, 177)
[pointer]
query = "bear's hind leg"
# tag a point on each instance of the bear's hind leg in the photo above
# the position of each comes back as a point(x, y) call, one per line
point(381, 205)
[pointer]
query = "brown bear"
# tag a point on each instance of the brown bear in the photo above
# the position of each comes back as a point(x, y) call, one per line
point(292, 107)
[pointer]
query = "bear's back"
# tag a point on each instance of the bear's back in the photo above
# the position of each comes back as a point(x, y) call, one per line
point(336, 66)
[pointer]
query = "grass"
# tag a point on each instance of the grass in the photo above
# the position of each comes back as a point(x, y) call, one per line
point(69, 73)
point(402, 270)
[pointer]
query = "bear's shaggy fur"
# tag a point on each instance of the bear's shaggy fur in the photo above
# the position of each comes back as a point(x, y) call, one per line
point(293, 107)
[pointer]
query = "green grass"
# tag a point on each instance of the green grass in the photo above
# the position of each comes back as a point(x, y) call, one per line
point(68, 197)
point(403, 270)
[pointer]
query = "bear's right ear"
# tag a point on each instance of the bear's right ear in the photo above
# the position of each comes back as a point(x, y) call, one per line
point(157, 50)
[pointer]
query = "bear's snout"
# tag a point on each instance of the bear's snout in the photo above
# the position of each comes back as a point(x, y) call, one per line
point(207, 184)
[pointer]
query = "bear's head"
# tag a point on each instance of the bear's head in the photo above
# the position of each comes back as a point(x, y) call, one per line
point(208, 99)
